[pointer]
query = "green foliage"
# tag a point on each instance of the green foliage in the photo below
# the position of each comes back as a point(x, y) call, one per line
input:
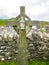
point(29, 63)
point(43, 23)
point(43, 30)
point(38, 63)
point(2, 22)
point(8, 62)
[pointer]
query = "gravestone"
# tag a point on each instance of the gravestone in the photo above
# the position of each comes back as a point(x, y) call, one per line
point(22, 55)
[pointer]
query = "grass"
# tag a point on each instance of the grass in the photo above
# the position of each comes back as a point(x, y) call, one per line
point(8, 62)
point(2, 22)
point(38, 63)
point(29, 63)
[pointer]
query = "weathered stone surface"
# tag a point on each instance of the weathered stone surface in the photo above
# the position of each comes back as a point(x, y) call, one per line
point(38, 46)
point(8, 44)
